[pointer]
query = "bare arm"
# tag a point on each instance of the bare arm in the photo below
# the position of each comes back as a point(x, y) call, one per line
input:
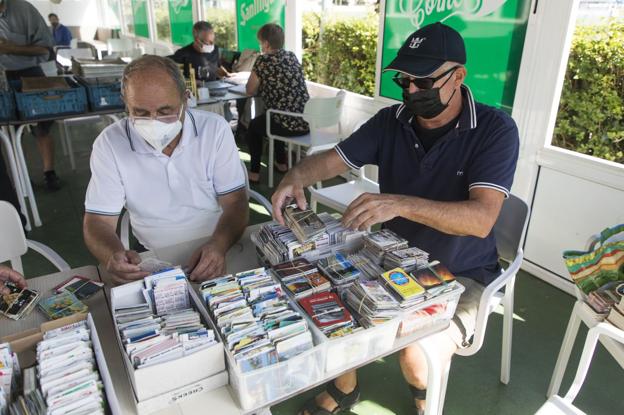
point(473, 217)
point(209, 260)
point(316, 168)
point(103, 242)
point(13, 49)
point(253, 83)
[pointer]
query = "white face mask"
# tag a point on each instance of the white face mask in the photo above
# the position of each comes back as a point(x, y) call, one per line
point(207, 48)
point(158, 134)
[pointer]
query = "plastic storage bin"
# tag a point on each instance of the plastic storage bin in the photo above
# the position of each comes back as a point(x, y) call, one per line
point(431, 312)
point(257, 388)
point(7, 105)
point(50, 103)
point(103, 94)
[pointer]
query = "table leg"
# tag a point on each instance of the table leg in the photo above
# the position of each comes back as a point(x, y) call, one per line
point(564, 353)
point(23, 169)
point(6, 142)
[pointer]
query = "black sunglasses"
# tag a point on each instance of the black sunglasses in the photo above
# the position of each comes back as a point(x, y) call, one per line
point(421, 83)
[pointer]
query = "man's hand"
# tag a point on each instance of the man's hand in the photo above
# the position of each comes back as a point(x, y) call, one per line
point(370, 209)
point(124, 267)
point(7, 274)
point(207, 262)
point(5, 45)
point(286, 192)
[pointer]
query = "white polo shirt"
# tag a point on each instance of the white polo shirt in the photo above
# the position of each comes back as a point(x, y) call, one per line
point(169, 199)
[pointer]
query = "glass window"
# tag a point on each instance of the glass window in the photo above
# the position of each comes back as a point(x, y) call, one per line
point(126, 9)
point(222, 15)
point(161, 16)
point(112, 16)
point(591, 115)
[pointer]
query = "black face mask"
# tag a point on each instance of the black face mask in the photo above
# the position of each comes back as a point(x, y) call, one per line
point(425, 103)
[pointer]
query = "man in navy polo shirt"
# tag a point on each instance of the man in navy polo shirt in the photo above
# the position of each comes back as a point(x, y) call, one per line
point(446, 163)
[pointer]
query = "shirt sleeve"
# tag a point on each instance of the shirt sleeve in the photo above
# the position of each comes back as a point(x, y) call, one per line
point(105, 193)
point(494, 164)
point(228, 174)
point(39, 34)
point(67, 37)
point(362, 146)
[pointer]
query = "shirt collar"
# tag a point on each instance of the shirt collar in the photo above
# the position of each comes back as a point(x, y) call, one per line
point(467, 117)
point(139, 145)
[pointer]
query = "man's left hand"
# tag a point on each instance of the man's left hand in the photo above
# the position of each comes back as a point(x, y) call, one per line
point(370, 209)
point(207, 262)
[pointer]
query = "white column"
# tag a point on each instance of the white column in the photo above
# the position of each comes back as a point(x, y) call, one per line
point(294, 28)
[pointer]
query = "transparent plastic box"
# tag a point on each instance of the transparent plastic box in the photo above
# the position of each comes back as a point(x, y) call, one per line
point(255, 389)
point(431, 312)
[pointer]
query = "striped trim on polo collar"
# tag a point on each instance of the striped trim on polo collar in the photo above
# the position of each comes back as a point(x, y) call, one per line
point(467, 118)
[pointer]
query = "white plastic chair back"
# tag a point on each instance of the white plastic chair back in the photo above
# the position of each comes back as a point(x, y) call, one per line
point(12, 238)
point(323, 115)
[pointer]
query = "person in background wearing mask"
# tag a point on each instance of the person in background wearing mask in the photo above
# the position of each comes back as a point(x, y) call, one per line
point(175, 170)
point(7, 274)
point(446, 163)
point(62, 35)
point(26, 42)
point(202, 54)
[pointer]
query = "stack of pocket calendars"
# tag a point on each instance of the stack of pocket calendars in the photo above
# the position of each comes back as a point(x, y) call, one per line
point(256, 321)
point(61, 305)
point(339, 269)
point(301, 278)
point(305, 224)
point(18, 302)
point(404, 288)
point(372, 302)
point(65, 381)
point(9, 375)
point(435, 278)
point(406, 258)
point(329, 314)
point(378, 244)
point(278, 243)
point(164, 327)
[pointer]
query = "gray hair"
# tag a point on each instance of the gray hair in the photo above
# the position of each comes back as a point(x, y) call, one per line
point(151, 62)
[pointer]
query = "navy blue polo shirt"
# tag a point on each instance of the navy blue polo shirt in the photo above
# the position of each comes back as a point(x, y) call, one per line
point(481, 151)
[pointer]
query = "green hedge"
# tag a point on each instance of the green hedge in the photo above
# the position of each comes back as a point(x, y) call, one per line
point(224, 23)
point(343, 56)
point(591, 111)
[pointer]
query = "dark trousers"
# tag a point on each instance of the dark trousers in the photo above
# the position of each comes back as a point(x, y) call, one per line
point(255, 140)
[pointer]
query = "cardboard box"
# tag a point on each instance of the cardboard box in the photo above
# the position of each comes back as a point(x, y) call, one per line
point(25, 345)
point(163, 384)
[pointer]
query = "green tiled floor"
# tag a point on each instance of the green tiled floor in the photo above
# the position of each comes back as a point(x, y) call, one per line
point(542, 314)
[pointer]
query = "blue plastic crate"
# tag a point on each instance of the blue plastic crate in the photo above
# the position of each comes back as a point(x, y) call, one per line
point(50, 103)
point(7, 105)
point(103, 96)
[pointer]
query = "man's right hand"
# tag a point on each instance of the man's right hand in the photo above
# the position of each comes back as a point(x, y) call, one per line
point(287, 191)
point(124, 267)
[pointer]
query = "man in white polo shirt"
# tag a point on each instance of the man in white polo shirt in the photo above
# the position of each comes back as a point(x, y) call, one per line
point(176, 171)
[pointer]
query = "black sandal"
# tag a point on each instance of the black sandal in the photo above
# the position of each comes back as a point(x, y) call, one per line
point(344, 401)
point(421, 395)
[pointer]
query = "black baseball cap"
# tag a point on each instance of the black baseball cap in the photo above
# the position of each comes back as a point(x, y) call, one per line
point(427, 49)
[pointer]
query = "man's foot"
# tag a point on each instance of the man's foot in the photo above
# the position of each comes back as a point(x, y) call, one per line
point(253, 177)
point(52, 181)
point(332, 401)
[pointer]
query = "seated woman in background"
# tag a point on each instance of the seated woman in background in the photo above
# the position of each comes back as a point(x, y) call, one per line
point(278, 79)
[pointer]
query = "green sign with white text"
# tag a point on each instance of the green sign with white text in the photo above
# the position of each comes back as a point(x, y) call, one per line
point(181, 19)
point(139, 14)
point(251, 15)
point(493, 31)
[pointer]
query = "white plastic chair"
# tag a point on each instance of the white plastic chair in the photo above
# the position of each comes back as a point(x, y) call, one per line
point(581, 312)
point(323, 116)
point(124, 228)
point(121, 48)
point(558, 405)
point(509, 231)
point(13, 242)
point(340, 196)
